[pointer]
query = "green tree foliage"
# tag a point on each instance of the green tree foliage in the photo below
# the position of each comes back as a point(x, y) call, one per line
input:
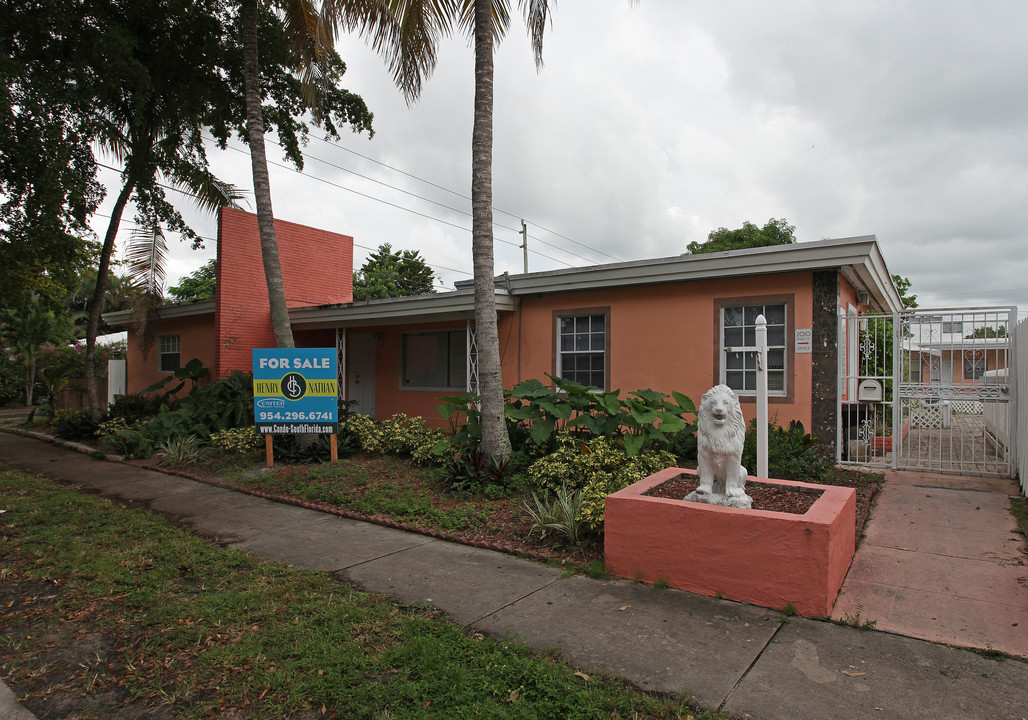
point(143, 80)
point(48, 184)
point(120, 294)
point(988, 332)
point(27, 332)
point(387, 274)
point(774, 232)
point(903, 288)
point(199, 285)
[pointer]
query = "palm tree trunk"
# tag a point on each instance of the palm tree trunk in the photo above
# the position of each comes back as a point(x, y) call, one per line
point(96, 409)
point(261, 180)
point(495, 440)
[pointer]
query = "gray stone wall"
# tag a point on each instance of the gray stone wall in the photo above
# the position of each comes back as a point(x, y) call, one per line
point(825, 341)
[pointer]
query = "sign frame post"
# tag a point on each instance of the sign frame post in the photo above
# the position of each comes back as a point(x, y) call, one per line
point(295, 392)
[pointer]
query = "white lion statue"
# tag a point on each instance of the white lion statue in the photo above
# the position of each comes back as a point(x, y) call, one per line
point(720, 431)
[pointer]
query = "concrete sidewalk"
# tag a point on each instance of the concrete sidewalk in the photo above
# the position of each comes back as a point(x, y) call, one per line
point(941, 561)
point(736, 657)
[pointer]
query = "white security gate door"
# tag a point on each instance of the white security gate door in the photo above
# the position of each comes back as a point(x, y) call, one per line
point(930, 390)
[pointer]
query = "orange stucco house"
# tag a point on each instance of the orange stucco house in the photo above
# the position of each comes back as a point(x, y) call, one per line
point(677, 323)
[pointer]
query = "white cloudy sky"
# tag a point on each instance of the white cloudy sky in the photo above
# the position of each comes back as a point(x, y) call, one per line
point(652, 124)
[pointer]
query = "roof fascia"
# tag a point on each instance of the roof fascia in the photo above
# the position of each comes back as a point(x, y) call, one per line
point(121, 318)
point(457, 305)
point(734, 263)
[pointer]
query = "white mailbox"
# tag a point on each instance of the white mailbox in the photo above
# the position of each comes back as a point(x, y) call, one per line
point(870, 391)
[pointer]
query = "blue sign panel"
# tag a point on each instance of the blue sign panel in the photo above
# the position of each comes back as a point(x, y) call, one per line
point(295, 391)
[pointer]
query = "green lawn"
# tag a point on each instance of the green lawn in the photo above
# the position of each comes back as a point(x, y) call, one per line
point(107, 606)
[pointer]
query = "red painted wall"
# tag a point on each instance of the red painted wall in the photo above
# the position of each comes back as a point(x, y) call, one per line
point(663, 337)
point(196, 340)
point(317, 269)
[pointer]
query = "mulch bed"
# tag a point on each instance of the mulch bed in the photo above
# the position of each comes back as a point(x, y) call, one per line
point(778, 498)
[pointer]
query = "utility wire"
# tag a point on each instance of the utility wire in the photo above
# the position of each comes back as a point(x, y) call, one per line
point(394, 205)
point(465, 197)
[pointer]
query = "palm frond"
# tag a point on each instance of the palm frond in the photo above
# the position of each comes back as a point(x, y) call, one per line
point(501, 19)
point(146, 321)
point(536, 13)
point(405, 32)
point(145, 256)
point(209, 192)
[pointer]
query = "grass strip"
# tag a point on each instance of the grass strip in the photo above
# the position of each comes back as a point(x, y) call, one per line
point(106, 608)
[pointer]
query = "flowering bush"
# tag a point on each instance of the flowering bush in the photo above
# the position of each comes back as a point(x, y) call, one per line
point(597, 467)
point(237, 440)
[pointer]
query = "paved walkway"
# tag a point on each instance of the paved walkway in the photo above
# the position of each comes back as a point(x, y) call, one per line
point(740, 658)
point(940, 561)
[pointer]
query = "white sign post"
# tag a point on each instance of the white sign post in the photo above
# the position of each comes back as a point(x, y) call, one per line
point(761, 397)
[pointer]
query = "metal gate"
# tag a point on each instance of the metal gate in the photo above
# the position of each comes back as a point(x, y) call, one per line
point(929, 390)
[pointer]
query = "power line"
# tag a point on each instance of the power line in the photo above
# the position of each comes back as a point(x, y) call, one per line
point(465, 197)
point(133, 223)
point(396, 206)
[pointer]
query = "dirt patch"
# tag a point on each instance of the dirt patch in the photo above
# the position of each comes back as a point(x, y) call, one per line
point(777, 498)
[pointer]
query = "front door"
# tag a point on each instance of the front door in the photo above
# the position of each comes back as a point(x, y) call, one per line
point(361, 374)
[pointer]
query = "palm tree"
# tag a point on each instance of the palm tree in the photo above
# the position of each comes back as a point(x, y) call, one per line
point(407, 33)
point(261, 178)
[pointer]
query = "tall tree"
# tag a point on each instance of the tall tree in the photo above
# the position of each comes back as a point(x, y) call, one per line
point(903, 288)
point(774, 232)
point(48, 175)
point(143, 80)
point(388, 274)
point(407, 32)
point(199, 285)
point(167, 88)
point(318, 71)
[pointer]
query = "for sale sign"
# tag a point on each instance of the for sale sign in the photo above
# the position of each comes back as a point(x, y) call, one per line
point(295, 391)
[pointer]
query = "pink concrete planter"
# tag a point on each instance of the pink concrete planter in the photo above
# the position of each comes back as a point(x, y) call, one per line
point(756, 556)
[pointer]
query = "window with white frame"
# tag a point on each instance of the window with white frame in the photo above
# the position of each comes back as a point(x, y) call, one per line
point(434, 360)
point(582, 348)
point(168, 353)
point(739, 332)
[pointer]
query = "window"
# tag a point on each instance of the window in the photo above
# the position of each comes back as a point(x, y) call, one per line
point(739, 330)
point(974, 364)
point(582, 348)
point(954, 327)
point(168, 353)
point(434, 360)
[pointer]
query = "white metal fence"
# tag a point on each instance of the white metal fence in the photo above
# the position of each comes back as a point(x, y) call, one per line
point(1021, 360)
point(932, 390)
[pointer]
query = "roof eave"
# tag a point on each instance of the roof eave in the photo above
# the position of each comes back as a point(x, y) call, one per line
point(122, 318)
point(459, 305)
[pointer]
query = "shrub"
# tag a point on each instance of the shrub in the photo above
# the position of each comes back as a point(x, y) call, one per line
point(181, 450)
point(12, 384)
point(469, 471)
point(597, 467)
point(135, 408)
point(409, 437)
point(399, 435)
point(368, 433)
point(152, 422)
point(292, 450)
point(73, 424)
point(791, 453)
point(239, 440)
point(560, 511)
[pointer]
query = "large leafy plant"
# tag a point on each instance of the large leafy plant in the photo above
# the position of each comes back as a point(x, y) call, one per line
point(645, 418)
